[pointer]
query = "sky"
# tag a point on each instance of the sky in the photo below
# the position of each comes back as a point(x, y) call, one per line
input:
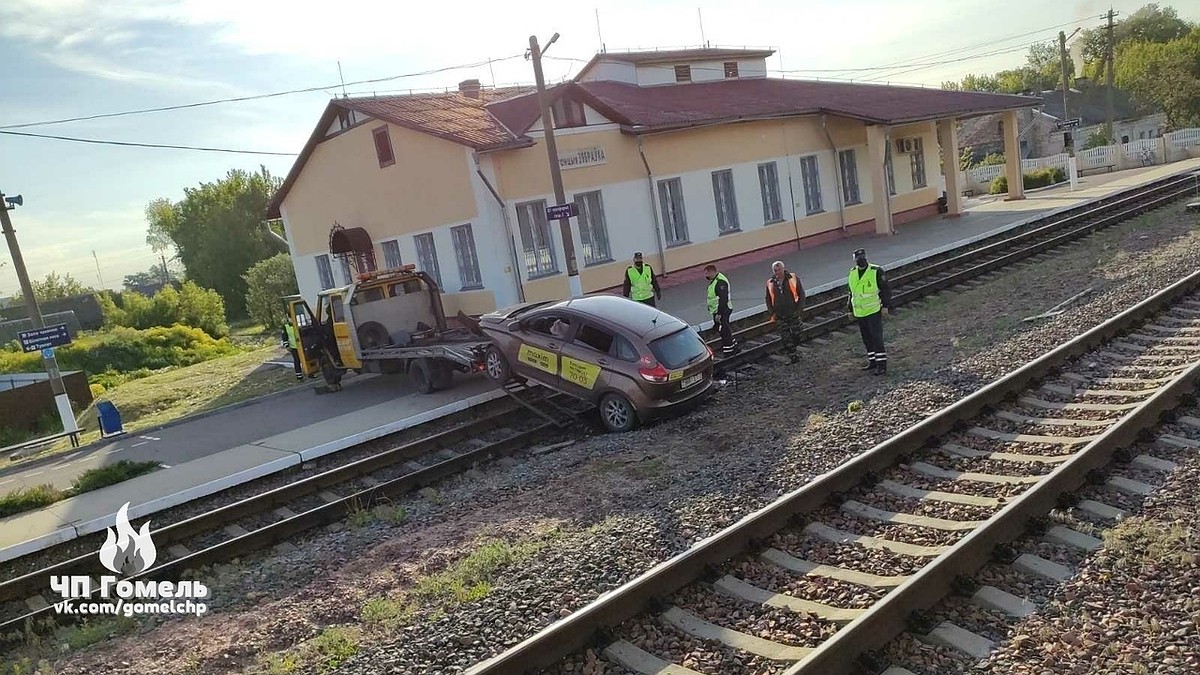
point(84, 204)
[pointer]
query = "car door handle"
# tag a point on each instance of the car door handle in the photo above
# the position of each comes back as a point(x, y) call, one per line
point(552, 345)
point(603, 362)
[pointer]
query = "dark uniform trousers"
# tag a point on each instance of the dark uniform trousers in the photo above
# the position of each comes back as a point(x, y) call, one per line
point(789, 331)
point(871, 328)
point(649, 301)
point(728, 345)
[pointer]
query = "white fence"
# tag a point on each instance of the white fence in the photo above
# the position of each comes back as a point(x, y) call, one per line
point(1168, 148)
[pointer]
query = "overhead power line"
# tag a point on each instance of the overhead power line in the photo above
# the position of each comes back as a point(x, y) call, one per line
point(132, 144)
point(239, 99)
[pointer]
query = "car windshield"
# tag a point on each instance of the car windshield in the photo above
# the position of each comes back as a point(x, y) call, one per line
point(678, 349)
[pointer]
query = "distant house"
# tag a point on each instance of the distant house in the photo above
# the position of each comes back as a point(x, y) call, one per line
point(1038, 133)
point(1132, 120)
point(5, 302)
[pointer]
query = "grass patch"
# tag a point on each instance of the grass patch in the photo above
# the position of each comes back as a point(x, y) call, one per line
point(470, 578)
point(386, 612)
point(94, 479)
point(29, 498)
point(333, 647)
point(281, 664)
point(1145, 541)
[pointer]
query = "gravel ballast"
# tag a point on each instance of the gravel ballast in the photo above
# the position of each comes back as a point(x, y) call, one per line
point(600, 512)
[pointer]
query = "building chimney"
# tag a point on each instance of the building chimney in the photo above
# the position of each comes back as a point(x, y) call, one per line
point(469, 88)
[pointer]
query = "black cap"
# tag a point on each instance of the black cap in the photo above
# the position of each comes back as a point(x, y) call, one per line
point(637, 254)
point(860, 253)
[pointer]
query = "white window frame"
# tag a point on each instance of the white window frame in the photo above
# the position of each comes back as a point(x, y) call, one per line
point(391, 254)
point(725, 198)
point(463, 238)
point(917, 162)
point(324, 271)
point(427, 259)
point(593, 228)
point(810, 177)
point(537, 239)
point(347, 273)
point(673, 210)
point(848, 163)
point(768, 186)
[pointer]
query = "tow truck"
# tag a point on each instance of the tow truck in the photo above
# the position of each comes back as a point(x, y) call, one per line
point(388, 321)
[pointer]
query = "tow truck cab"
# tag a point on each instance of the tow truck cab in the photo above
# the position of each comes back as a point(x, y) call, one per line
point(398, 307)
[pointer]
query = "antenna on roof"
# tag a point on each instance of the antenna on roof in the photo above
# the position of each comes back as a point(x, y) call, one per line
point(600, 35)
point(492, 71)
point(342, 79)
point(701, 15)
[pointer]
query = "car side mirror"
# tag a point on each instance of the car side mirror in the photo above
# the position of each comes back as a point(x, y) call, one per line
point(513, 326)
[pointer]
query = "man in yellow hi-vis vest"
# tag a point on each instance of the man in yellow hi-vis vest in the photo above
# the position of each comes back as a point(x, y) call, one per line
point(720, 306)
point(640, 283)
point(288, 338)
point(869, 301)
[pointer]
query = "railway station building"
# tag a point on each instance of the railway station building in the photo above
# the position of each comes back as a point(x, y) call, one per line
point(690, 156)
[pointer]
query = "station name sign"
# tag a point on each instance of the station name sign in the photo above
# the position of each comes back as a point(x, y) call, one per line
point(581, 158)
point(44, 338)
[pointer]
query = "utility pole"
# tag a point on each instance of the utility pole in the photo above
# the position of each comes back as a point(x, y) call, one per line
point(99, 277)
point(564, 224)
point(1108, 80)
point(1069, 134)
point(35, 313)
point(165, 276)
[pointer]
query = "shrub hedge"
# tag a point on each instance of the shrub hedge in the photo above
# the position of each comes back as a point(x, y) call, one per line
point(1034, 179)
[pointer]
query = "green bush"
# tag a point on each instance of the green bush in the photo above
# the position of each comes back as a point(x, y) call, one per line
point(1034, 179)
point(190, 305)
point(267, 283)
point(122, 351)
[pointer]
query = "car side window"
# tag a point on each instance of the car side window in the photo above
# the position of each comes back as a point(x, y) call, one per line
point(624, 349)
point(596, 338)
point(553, 325)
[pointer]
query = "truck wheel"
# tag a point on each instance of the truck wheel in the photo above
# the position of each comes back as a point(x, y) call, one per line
point(442, 375)
point(422, 375)
point(617, 413)
point(372, 335)
point(497, 366)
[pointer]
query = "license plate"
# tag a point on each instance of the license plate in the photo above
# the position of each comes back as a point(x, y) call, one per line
point(689, 381)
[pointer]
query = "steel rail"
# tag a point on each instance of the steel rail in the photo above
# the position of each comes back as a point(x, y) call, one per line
point(579, 629)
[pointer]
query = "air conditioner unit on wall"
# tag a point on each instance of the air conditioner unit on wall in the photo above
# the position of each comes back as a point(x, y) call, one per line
point(905, 146)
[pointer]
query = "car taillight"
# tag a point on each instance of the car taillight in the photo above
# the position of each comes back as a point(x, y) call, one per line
point(657, 374)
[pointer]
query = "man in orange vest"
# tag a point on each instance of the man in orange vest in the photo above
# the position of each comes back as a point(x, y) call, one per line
point(785, 304)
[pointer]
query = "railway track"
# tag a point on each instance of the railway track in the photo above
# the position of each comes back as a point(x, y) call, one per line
point(827, 313)
point(274, 516)
point(836, 569)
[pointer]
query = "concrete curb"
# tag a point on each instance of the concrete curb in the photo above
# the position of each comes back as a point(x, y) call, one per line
point(753, 311)
point(21, 466)
point(143, 509)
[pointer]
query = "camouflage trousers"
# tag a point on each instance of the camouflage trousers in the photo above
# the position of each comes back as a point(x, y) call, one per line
point(790, 328)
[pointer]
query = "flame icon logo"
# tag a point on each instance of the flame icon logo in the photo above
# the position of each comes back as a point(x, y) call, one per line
point(127, 551)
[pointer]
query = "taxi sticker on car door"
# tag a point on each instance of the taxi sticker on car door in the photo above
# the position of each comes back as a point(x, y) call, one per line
point(581, 373)
point(538, 358)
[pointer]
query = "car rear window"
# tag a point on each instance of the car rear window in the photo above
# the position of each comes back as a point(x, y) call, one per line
point(678, 349)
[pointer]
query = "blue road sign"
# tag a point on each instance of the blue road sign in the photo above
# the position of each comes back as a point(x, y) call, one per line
point(48, 353)
point(38, 339)
point(560, 211)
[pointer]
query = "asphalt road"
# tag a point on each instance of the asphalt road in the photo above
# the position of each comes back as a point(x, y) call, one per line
point(198, 438)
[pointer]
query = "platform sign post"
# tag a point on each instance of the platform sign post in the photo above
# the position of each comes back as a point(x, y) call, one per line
point(1070, 126)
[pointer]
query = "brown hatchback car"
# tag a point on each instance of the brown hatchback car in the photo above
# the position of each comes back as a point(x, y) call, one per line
point(631, 360)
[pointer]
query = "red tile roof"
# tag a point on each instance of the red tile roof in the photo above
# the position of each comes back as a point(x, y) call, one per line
point(451, 116)
point(652, 108)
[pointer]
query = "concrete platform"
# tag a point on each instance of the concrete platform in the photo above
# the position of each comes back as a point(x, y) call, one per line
point(94, 511)
point(825, 266)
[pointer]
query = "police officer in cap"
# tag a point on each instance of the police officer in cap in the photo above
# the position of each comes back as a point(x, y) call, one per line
point(870, 300)
point(640, 283)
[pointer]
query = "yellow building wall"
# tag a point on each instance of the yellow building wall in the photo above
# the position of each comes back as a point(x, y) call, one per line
point(710, 147)
point(429, 185)
point(525, 173)
point(470, 302)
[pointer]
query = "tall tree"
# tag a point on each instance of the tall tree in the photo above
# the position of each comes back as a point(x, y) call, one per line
point(1150, 23)
point(1166, 75)
point(216, 229)
point(54, 287)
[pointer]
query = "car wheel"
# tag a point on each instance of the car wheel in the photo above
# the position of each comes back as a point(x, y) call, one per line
point(617, 413)
point(497, 366)
point(422, 375)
